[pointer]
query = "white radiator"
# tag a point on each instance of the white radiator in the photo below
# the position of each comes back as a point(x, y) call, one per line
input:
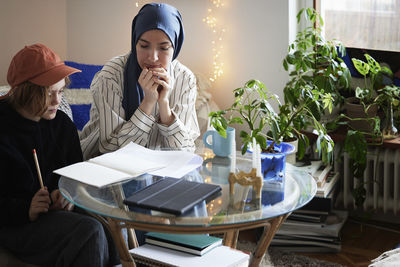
point(383, 191)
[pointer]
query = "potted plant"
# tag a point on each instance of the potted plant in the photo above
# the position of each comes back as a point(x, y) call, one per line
point(361, 109)
point(252, 106)
point(364, 122)
point(361, 120)
point(314, 65)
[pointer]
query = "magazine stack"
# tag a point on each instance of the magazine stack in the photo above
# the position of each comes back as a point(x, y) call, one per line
point(315, 227)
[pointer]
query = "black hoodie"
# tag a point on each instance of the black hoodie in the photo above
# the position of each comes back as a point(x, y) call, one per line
point(57, 145)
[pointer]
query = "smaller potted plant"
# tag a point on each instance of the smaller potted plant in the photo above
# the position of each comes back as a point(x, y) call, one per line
point(362, 108)
point(252, 106)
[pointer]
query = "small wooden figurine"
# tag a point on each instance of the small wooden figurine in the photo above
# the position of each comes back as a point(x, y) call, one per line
point(246, 179)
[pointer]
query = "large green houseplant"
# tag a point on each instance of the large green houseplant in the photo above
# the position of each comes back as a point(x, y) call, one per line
point(315, 69)
point(315, 63)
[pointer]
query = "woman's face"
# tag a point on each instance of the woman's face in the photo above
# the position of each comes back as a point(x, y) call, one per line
point(154, 50)
point(55, 94)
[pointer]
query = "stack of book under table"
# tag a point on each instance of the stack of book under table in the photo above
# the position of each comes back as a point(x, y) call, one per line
point(315, 227)
point(311, 232)
point(163, 249)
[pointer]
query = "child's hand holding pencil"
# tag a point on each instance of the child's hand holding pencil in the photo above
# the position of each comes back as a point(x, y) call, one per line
point(40, 204)
point(42, 201)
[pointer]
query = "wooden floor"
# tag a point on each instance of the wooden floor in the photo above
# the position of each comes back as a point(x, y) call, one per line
point(362, 242)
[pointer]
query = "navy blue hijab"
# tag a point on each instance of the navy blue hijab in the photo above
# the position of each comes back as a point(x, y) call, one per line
point(150, 17)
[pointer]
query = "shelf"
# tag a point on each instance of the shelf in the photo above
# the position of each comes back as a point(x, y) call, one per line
point(339, 135)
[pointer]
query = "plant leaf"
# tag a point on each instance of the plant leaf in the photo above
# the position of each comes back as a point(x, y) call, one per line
point(361, 66)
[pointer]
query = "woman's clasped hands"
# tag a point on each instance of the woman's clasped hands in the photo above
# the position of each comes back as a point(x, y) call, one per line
point(155, 83)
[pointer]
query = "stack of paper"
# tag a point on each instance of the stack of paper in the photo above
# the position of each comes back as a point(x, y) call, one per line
point(220, 256)
point(131, 161)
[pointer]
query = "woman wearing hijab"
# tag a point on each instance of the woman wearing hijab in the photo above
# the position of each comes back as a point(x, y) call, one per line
point(146, 96)
point(37, 223)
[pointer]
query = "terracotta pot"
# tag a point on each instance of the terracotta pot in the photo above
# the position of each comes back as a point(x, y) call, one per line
point(354, 110)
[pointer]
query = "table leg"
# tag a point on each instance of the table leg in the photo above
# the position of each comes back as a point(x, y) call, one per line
point(124, 255)
point(265, 240)
point(119, 196)
point(132, 240)
point(230, 238)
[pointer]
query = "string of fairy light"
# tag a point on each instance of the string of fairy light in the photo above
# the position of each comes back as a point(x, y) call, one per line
point(218, 31)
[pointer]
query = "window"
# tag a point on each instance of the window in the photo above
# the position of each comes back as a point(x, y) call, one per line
point(368, 24)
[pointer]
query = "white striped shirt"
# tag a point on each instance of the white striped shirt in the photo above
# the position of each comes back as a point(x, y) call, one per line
point(108, 130)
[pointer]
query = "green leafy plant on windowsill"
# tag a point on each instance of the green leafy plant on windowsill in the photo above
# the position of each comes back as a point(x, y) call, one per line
point(373, 94)
point(355, 143)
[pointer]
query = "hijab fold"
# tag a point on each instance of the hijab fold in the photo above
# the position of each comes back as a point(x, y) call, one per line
point(150, 17)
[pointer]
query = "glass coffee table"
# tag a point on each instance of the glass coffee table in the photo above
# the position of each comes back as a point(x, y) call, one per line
point(226, 213)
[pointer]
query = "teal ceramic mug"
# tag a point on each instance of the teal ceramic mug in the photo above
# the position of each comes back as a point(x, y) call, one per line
point(221, 146)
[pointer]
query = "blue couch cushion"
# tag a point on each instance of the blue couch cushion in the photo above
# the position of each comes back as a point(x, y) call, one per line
point(82, 79)
point(80, 106)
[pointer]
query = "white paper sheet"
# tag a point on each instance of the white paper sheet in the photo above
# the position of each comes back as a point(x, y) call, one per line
point(221, 256)
point(131, 161)
point(92, 174)
point(179, 164)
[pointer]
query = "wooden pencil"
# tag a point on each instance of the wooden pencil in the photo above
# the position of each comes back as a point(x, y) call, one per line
point(38, 168)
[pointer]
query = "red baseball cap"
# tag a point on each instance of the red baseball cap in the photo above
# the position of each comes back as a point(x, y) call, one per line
point(38, 64)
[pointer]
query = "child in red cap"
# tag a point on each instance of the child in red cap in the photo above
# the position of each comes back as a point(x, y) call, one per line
point(38, 224)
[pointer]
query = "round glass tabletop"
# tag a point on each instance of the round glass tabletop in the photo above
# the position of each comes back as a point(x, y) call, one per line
point(240, 207)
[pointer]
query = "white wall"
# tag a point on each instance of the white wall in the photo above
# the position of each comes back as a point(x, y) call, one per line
point(98, 30)
point(25, 22)
point(255, 42)
point(93, 31)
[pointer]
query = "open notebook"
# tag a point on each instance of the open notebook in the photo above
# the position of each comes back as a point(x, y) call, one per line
point(131, 161)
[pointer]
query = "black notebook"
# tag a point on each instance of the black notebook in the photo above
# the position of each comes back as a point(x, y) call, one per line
point(171, 195)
